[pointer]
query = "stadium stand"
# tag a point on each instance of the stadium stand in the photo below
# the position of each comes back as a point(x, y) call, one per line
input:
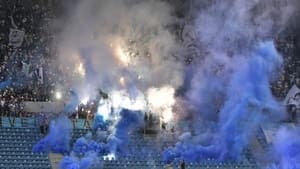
point(19, 134)
point(16, 149)
point(17, 140)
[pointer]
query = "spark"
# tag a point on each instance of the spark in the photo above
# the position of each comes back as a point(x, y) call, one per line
point(122, 56)
point(58, 95)
point(122, 81)
point(80, 69)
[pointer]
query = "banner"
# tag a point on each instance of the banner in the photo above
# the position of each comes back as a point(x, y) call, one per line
point(46, 107)
point(290, 97)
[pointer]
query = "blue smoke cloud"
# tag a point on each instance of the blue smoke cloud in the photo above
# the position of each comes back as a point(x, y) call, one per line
point(58, 138)
point(86, 151)
point(248, 101)
point(82, 146)
point(249, 98)
point(286, 148)
point(5, 84)
point(99, 123)
point(72, 104)
point(15, 82)
point(84, 154)
point(128, 119)
point(71, 162)
point(210, 90)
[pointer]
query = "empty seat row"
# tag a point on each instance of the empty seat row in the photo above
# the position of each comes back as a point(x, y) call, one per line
point(16, 149)
point(24, 166)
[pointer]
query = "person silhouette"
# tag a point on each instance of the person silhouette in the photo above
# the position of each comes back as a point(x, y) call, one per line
point(182, 164)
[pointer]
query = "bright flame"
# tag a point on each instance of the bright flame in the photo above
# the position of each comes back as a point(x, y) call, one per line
point(58, 95)
point(109, 108)
point(121, 99)
point(122, 81)
point(122, 56)
point(110, 156)
point(80, 69)
point(161, 100)
point(104, 109)
point(84, 100)
point(167, 115)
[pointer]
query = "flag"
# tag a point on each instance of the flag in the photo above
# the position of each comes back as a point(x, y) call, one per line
point(25, 68)
point(291, 94)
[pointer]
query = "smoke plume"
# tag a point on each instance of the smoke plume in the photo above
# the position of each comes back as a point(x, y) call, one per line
point(58, 138)
point(286, 149)
point(126, 49)
point(229, 91)
point(114, 45)
point(86, 151)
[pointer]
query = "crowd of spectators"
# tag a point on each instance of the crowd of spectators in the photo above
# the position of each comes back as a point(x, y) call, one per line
point(25, 65)
point(288, 46)
point(22, 64)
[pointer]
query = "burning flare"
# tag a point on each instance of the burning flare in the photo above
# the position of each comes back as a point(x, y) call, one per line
point(122, 81)
point(80, 69)
point(121, 99)
point(161, 100)
point(122, 56)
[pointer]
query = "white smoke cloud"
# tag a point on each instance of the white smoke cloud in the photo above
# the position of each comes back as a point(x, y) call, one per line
point(114, 45)
point(227, 32)
point(234, 25)
point(162, 100)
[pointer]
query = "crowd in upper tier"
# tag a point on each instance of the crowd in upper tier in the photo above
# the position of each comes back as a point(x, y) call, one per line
point(288, 48)
point(24, 53)
point(25, 65)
